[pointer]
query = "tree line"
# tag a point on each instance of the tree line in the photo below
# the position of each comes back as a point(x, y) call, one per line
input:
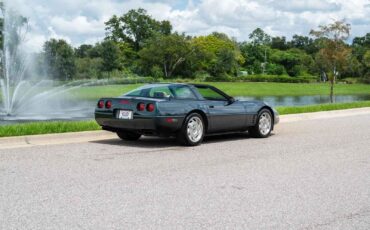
point(136, 43)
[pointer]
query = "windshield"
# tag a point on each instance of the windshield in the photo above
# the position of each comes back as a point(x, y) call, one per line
point(163, 91)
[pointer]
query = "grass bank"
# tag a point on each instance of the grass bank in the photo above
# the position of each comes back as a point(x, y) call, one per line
point(322, 107)
point(46, 127)
point(77, 126)
point(237, 89)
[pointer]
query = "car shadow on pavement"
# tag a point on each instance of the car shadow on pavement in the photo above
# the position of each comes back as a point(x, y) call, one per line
point(143, 142)
point(159, 142)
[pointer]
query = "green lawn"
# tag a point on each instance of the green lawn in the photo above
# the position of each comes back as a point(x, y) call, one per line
point(45, 127)
point(76, 126)
point(323, 107)
point(237, 89)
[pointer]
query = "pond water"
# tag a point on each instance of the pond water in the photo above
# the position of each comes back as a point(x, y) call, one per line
point(84, 111)
point(306, 100)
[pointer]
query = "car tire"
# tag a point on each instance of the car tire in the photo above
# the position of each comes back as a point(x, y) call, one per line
point(264, 125)
point(192, 131)
point(128, 136)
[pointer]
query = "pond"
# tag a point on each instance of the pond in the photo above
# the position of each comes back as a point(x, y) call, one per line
point(306, 100)
point(85, 110)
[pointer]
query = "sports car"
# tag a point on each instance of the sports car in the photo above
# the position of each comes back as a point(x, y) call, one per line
point(186, 111)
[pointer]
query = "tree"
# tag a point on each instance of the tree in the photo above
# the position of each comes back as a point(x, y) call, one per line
point(135, 27)
point(88, 68)
point(214, 50)
point(362, 41)
point(334, 52)
point(255, 56)
point(166, 52)
point(60, 59)
point(259, 37)
point(83, 51)
point(110, 53)
point(290, 59)
point(360, 48)
point(367, 66)
point(279, 43)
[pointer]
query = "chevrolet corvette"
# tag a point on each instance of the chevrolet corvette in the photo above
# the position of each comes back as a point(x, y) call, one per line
point(188, 112)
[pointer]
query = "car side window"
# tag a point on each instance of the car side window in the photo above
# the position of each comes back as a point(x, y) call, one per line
point(160, 92)
point(210, 94)
point(183, 92)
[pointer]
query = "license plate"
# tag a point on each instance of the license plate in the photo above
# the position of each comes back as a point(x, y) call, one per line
point(124, 114)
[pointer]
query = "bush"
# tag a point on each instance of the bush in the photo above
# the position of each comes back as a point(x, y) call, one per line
point(201, 76)
point(221, 78)
point(156, 72)
point(275, 69)
point(274, 78)
point(261, 78)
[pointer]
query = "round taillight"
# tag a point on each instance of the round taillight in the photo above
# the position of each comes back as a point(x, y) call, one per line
point(141, 106)
point(101, 104)
point(150, 107)
point(108, 104)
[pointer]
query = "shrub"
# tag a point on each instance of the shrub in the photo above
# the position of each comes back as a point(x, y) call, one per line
point(275, 69)
point(274, 78)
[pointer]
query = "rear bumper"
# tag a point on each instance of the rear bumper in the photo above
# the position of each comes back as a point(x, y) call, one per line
point(155, 125)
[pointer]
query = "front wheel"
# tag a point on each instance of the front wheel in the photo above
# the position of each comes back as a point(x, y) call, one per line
point(264, 124)
point(192, 131)
point(128, 136)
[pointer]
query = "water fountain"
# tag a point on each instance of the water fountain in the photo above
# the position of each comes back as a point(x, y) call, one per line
point(24, 96)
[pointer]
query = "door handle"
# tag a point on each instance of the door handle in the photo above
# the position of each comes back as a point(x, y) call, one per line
point(211, 106)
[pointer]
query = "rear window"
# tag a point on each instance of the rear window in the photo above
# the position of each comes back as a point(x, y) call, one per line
point(163, 91)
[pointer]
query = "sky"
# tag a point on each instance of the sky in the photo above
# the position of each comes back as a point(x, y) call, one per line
point(82, 21)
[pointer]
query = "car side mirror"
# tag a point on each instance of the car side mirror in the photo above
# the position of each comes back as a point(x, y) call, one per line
point(231, 100)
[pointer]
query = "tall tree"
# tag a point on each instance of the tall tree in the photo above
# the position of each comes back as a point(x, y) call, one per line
point(279, 43)
point(83, 50)
point(111, 56)
point(362, 41)
point(366, 62)
point(167, 52)
point(304, 43)
point(259, 37)
point(217, 54)
point(135, 27)
point(334, 52)
point(60, 59)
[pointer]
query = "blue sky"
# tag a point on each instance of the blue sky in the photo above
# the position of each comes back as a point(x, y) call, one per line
point(82, 21)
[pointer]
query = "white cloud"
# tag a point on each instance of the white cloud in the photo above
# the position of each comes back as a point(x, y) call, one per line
point(80, 21)
point(79, 25)
point(311, 5)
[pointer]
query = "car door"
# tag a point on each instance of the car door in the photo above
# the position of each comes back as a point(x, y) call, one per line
point(226, 116)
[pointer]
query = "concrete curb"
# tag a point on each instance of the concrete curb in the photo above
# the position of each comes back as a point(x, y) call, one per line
point(79, 137)
point(54, 139)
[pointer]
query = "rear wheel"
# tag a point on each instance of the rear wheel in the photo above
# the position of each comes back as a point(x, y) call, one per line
point(128, 136)
point(264, 124)
point(192, 131)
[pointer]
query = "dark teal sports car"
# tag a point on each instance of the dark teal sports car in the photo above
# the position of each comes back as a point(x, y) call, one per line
point(187, 111)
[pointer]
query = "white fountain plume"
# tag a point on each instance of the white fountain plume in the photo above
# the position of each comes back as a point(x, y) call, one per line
point(23, 96)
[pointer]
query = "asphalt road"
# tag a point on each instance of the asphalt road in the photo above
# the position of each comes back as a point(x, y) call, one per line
point(312, 174)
